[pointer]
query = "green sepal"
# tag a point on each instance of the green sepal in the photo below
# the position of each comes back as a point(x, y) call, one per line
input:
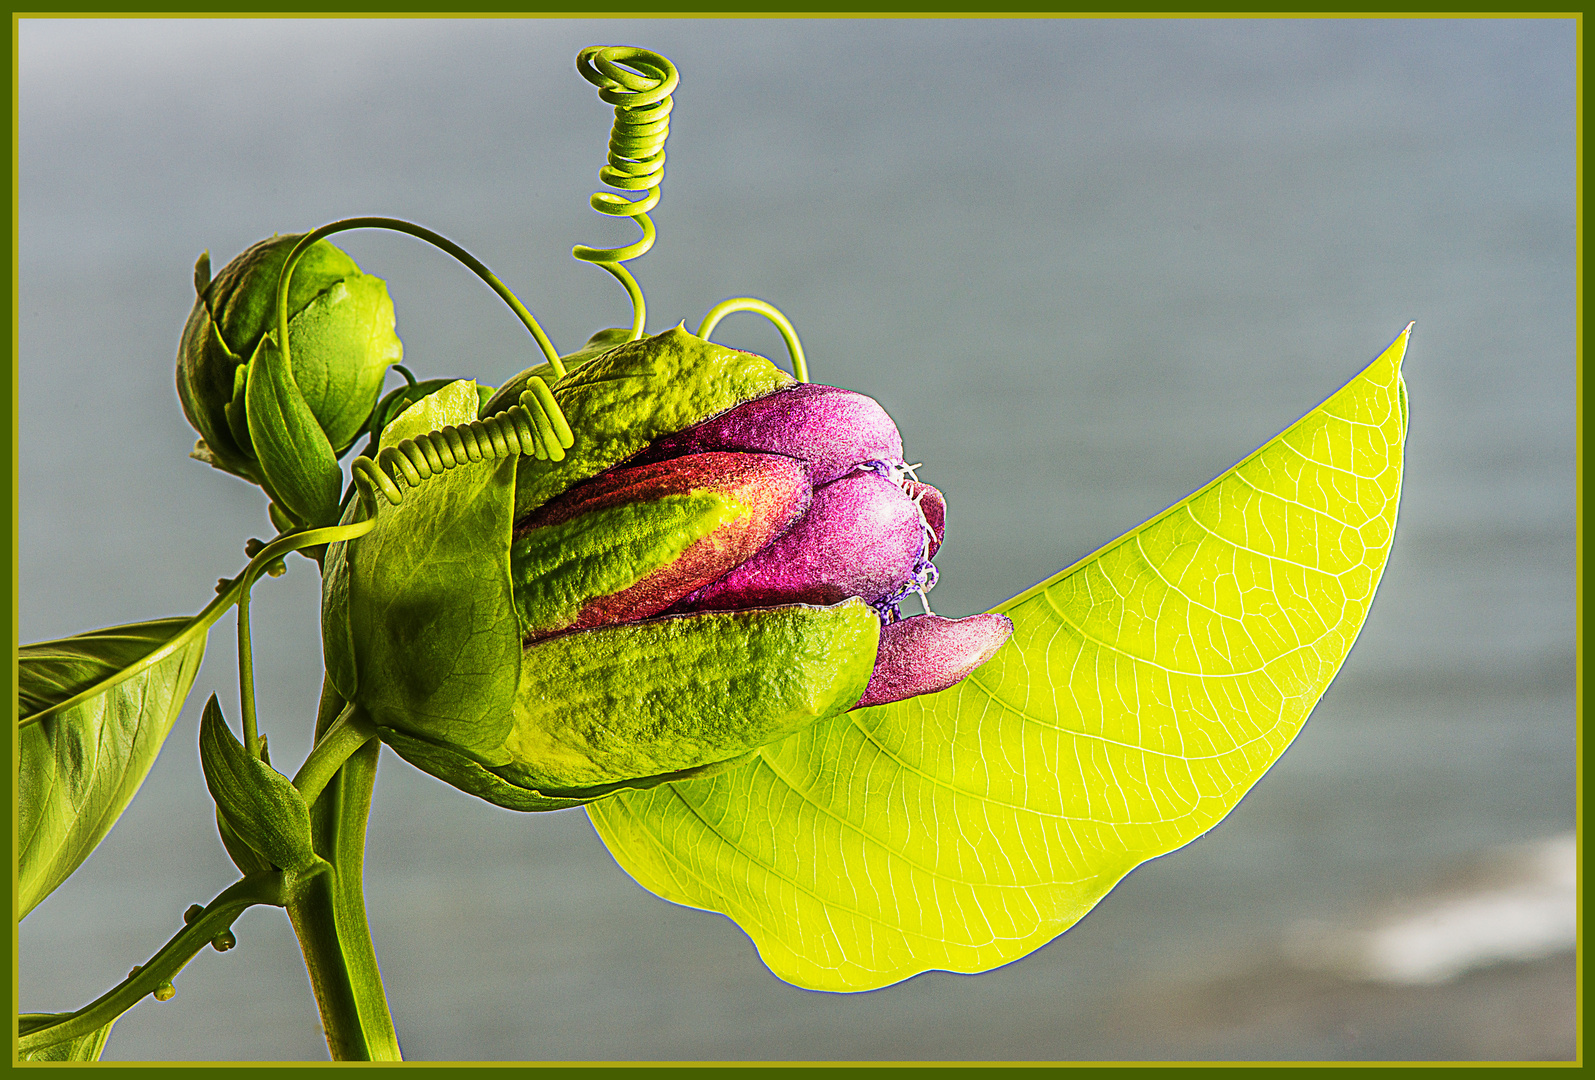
point(418, 616)
point(510, 392)
point(261, 805)
point(626, 397)
point(474, 779)
point(83, 1048)
point(296, 460)
point(396, 401)
point(643, 699)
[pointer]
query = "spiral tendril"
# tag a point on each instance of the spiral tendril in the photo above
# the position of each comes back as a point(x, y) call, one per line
point(640, 92)
point(536, 426)
point(641, 98)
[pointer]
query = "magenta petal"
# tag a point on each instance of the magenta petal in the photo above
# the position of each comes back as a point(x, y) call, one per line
point(861, 537)
point(926, 653)
point(830, 429)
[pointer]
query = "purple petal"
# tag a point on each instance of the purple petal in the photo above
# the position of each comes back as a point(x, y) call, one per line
point(926, 653)
point(861, 537)
point(828, 428)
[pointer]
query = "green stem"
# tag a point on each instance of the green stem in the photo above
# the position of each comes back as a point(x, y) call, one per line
point(420, 233)
point(246, 678)
point(750, 303)
point(213, 611)
point(217, 917)
point(348, 733)
point(330, 917)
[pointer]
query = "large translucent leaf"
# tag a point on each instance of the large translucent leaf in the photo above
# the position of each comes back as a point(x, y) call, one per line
point(80, 767)
point(1144, 691)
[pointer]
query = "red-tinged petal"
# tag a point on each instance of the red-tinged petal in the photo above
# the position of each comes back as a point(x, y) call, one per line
point(597, 555)
point(830, 429)
point(926, 653)
point(861, 537)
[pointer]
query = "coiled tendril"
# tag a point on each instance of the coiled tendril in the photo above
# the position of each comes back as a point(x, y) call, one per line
point(640, 93)
point(535, 426)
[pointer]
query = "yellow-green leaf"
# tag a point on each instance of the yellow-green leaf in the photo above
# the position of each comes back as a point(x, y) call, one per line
point(1145, 690)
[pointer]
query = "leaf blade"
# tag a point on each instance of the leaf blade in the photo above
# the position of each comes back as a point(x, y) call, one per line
point(83, 1048)
point(79, 768)
point(1147, 687)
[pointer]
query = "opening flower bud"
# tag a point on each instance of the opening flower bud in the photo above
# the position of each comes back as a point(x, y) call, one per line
point(719, 562)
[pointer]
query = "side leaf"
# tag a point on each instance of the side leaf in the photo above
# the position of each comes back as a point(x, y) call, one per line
point(83, 1048)
point(258, 804)
point(1144, 691)
point(78, 769)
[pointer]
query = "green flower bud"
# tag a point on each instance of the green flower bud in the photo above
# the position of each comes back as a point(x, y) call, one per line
point(340, 336)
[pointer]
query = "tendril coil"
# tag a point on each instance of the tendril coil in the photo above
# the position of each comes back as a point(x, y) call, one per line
point(536, 426)
point(640, 93)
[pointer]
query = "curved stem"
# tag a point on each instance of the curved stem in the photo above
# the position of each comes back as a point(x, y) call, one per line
point(217, 916)
point(201, 623)
point(352, 730)
point(420, 233)
point(639, 305)
point(750, 303)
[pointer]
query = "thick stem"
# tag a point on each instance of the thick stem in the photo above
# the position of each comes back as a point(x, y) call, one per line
point(330, 918)
point(316, 928)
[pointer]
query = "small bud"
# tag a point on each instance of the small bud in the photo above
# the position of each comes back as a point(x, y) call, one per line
point(260, 805)
point(165, 992)
point(193, 914)
point(253, 547)
point(340, 336)
point(223, 941)
point(136, 969)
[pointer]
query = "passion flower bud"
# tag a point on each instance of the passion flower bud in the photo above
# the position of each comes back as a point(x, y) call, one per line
point(340, 337)
point(718, 563)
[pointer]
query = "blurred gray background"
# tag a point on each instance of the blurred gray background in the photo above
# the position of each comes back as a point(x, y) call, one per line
point(1086, 265)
